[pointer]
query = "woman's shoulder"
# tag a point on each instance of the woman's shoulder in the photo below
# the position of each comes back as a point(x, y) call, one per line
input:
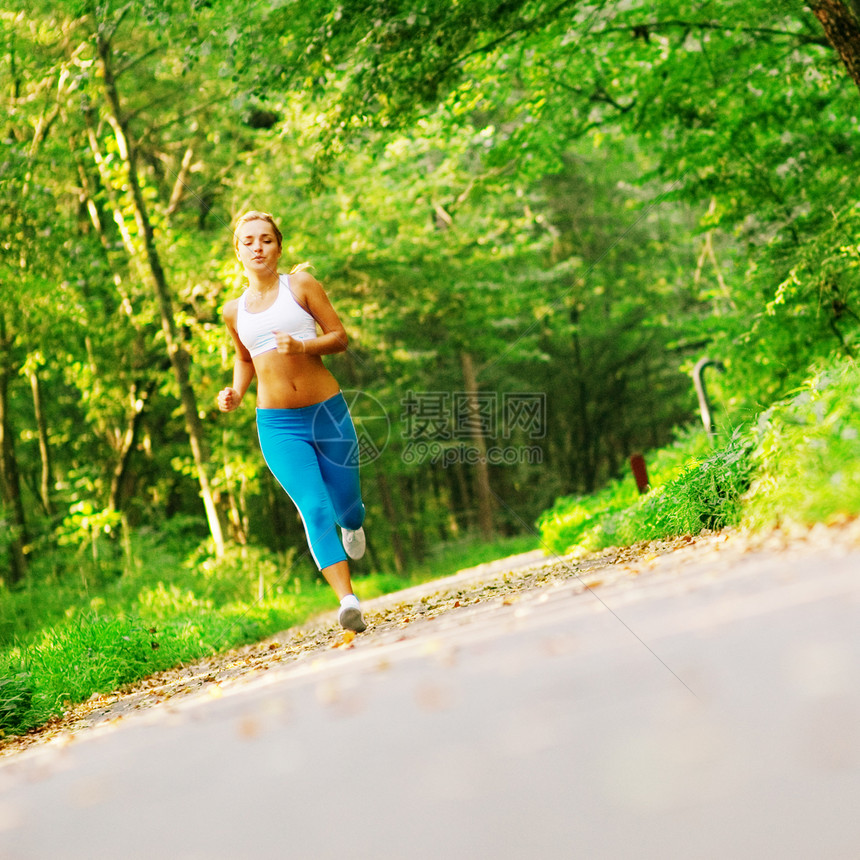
point(304, 285)
point(231, 309)
point(301, 279)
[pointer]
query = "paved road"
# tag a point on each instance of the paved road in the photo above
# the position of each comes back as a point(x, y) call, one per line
point(704, 704)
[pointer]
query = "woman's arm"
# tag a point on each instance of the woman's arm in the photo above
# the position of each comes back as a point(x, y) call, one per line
point(243, 366)
point(310, 294)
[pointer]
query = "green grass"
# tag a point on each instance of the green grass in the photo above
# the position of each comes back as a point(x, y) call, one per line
point(618, 512)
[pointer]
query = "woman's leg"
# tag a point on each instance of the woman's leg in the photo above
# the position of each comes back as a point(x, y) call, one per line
point(298, 467)
point(337, 576)
point(295, 464)
point(337, 444)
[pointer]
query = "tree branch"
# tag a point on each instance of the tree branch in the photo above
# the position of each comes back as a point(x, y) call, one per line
point(181, 182)
point(643, 29)
point(108, 31)
point(523, 27)
point(598, 94)
point(136, 60)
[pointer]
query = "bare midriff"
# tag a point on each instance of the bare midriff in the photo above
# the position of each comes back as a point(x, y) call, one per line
point(292, 381)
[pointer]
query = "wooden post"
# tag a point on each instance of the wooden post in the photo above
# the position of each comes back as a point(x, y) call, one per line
point(640, 472)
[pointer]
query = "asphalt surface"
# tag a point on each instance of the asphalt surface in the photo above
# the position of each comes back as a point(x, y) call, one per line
point(700, 704)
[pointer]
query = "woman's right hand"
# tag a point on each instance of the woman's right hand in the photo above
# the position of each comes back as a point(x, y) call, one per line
point(228, 399)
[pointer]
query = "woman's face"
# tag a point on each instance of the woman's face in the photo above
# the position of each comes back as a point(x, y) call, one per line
point(257, 247)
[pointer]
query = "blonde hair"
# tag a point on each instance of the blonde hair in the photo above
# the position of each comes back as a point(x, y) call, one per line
point(254, 215)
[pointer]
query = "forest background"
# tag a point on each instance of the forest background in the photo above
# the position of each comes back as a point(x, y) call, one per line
point(533, 217)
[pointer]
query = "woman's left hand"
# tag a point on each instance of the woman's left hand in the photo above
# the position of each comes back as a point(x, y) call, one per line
point(287, 344)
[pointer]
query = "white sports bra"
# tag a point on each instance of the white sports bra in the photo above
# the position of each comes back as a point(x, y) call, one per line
point(257, 331)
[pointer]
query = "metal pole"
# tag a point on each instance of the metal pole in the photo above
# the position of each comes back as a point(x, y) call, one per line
point(702, 393)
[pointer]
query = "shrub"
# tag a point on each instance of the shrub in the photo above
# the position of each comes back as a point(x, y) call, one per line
point(808, 453)
point(586, 521)
point(707, 495)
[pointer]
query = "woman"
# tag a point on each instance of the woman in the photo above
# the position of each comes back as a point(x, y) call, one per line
point(306, 433)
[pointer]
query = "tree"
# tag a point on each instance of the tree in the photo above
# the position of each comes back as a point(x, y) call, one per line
point(841, 24)
point(104, 32)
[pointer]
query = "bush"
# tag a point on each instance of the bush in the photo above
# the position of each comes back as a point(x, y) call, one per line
point(808, 453)
point(243, 573)
point(577, 521)
point(706, 495)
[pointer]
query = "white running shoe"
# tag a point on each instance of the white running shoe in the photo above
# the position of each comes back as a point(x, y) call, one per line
point(350, 618)
point(354, 542)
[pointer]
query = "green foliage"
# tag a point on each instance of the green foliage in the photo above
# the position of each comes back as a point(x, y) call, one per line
point(60, 649)
point(137, 625)
point(808, 453)
point(799, 463)
point(243, 573)
point(446, 559)
point(707, 495)
point(585, 197)
point(565, 525)
point(577, 520)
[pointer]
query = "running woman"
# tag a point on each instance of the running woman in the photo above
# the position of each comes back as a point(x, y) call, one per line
point(305, 429)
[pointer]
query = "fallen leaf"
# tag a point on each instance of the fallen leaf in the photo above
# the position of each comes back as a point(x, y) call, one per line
point(346, 641)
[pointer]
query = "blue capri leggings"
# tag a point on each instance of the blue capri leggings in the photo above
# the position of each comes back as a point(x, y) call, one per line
point(313, 452)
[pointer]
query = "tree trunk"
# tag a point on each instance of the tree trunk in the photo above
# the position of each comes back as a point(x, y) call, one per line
point(179, 358)
point(137, 398)
point(394, 521)
point(139, 394)
point(482, 472)
point(587, 442)
point(236, 507)
point(10, 482)
point(45, 477)
point(460, 491)
point(841, 24)
point(413, 519)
